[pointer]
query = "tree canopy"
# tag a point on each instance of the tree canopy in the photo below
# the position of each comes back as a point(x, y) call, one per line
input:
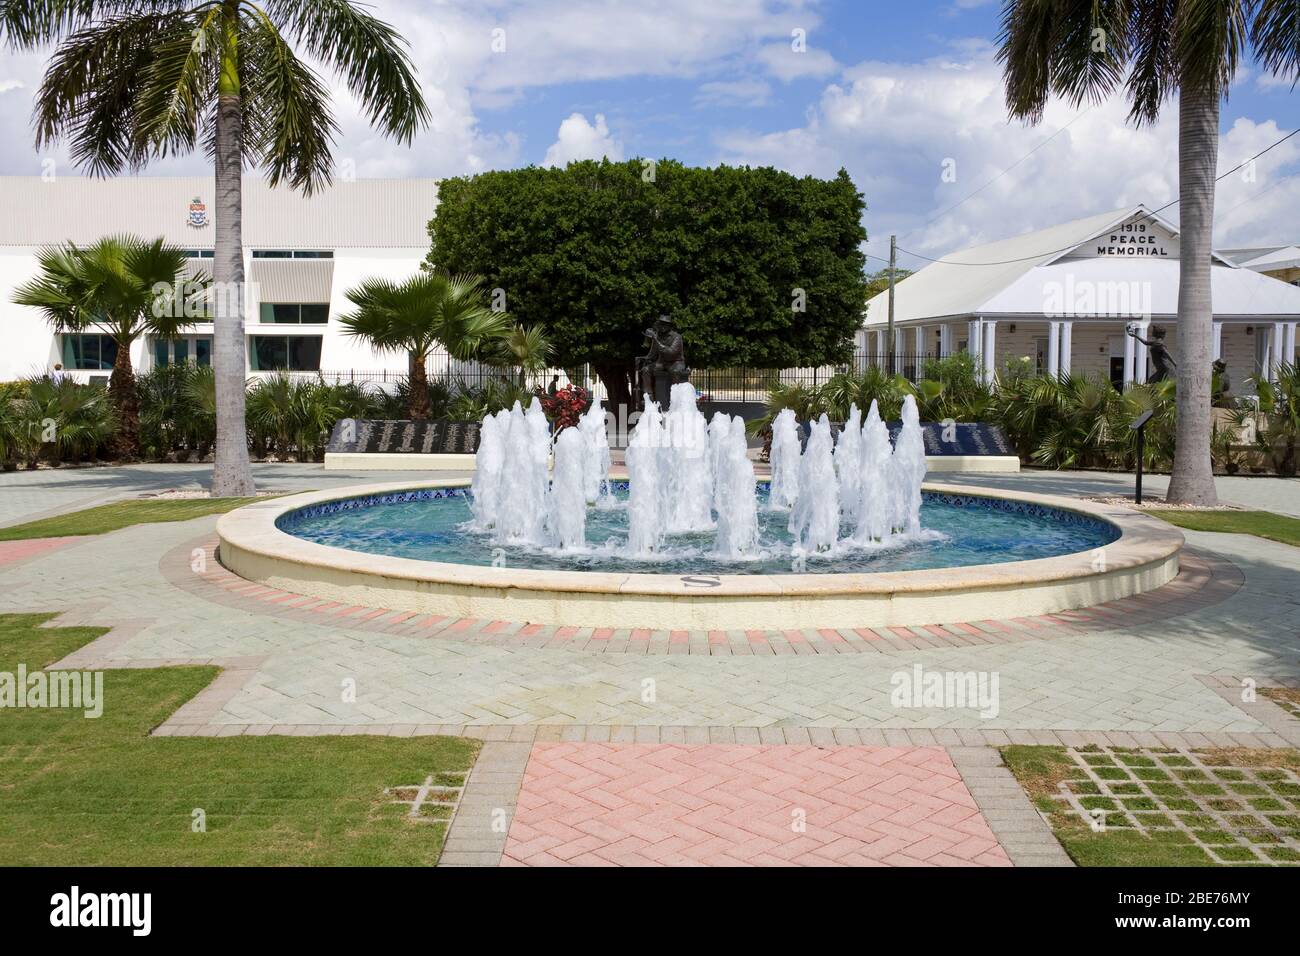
point(757, 267)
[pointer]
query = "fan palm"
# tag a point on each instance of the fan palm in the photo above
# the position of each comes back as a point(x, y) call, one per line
point(524, 347)
point(419, 314)
point(137, 79)
point(124, 287)
point(1085, 50)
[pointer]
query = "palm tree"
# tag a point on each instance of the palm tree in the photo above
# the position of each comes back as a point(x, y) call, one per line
point(138, 79)
point(524, 347)
point(1085, 50)
point(124, 287)
point(415, 316)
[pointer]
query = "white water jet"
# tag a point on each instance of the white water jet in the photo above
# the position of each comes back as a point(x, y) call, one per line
point(489, 466)
point(909, 470)
point(784, 457)
point(685, 479)
point(719, 432)
point(873, 514)
point(645, 526)
point(595, 438)
point(815, 520)
point(567, 515)
point(848, 464)
point(734, 492)
point(521, 512)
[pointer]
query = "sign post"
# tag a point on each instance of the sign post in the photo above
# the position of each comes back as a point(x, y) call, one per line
point(1139, 425)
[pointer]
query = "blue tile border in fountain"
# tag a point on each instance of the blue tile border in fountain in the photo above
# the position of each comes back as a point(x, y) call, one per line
point(289, 519)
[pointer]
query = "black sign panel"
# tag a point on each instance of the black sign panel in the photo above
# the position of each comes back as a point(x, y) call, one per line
point(958, 438)
point(403, 437)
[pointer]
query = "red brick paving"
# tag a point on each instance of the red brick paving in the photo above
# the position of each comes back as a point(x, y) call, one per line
point(14, 551)
point(670, 805)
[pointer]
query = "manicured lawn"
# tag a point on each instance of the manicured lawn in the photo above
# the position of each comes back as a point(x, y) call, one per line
point(121, 514)
point(1265, 524)
point(78, 791)
point(1242, 820)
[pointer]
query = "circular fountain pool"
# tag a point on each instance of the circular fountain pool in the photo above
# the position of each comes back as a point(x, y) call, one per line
point(959, 530)
point(1001, 555)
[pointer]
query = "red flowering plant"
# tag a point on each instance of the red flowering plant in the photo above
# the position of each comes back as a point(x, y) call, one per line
point(565, 406)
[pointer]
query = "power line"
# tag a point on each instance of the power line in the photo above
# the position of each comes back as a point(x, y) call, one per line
point(1154, 212)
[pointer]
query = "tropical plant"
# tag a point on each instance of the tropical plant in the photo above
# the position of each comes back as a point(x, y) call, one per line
point(137, 79)
point(872, 385)
point(1159, 433)
point(1156, 48)
point(429, 310)
point(474, 404)
point(124, 287)
point(524, 347)
point(1278, 425)
point(62, 419)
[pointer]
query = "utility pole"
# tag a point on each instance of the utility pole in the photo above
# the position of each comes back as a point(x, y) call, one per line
point(889, 334)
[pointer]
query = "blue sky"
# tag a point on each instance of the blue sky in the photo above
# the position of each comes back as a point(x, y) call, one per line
point(897, 93)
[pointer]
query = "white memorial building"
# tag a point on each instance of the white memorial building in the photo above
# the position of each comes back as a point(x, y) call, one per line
point(301, 255)
point(1062, 298)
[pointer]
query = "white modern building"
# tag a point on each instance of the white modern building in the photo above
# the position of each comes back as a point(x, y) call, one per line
point(301, 255)
point(1062, 298)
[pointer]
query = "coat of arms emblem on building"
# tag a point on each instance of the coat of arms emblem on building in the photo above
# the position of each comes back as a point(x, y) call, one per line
point(198, 213)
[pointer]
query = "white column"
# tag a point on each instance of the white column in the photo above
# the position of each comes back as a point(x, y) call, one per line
point(1275, 352)
point(1218, 340)
point(880, 347)
point(945, 340)
point(920, 349)
point(1067, 346)
point(1140, 353)
point(989, 354)
point(1288, 344)
point(900, 348)
point(1130, 350)
point(1053, 349)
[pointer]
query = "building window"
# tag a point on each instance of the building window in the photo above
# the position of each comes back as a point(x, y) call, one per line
point(295, 353)
point(196, 349)
point(90, 351)
point(294, 313)
point(293, 253)
point(198, 253)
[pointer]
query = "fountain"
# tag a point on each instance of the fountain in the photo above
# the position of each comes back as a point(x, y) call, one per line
point(692, 539)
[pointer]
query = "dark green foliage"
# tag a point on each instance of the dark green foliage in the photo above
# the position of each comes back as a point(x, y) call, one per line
point(595, 251)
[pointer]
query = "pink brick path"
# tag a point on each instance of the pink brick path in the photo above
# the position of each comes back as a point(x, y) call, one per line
point(665, 804)
point(13, 551)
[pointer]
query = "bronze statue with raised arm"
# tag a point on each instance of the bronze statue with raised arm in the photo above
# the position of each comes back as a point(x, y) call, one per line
point(1164, 362)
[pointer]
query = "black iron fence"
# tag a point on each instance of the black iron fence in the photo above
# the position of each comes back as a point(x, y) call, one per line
point(718, 384)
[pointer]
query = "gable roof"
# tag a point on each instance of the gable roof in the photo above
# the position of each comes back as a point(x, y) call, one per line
point(963, 283)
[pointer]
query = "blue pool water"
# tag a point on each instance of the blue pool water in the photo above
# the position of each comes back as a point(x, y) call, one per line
point(429, 525)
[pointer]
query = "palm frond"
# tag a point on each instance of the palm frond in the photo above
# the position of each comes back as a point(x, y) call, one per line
point(368, 54)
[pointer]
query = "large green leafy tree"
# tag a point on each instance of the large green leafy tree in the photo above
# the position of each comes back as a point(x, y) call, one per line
point(417, 315)
point(121, 286)
point(756, 266)
point(131, 80)
point(1086, 50)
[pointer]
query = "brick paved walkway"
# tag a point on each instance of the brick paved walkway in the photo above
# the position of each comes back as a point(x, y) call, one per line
point(626, 804)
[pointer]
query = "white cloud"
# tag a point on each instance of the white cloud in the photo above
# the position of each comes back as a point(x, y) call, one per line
point(894, 125)
point(734, 93)
point(578, 139)
point(787, 61)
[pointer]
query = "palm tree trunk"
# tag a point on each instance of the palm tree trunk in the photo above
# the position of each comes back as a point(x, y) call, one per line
point(126, 402)
point(1192, 481)
point(231, 472)
point(419, 388)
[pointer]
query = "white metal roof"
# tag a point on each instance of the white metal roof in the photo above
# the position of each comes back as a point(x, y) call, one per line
point(1270, 258)
point(1015, 276)
point(365, 213)
point(1129, 287)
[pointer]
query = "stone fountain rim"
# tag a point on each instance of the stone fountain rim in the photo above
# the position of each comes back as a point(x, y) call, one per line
point(253, 546)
